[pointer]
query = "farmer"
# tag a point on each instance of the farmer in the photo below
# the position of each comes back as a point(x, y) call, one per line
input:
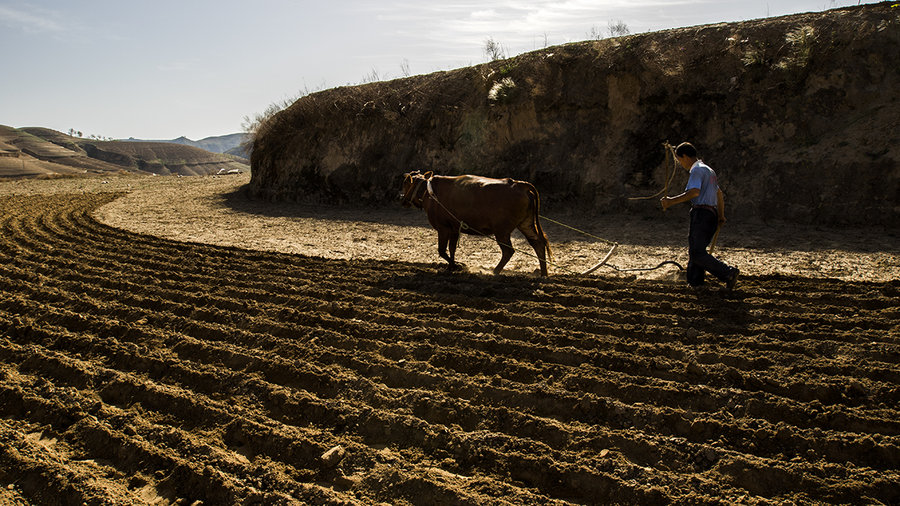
point(707, 214)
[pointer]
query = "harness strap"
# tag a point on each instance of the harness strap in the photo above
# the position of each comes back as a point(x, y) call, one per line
point(411, 195)
point(462, 224)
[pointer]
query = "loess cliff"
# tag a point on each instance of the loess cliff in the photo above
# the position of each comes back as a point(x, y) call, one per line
point(799, 115)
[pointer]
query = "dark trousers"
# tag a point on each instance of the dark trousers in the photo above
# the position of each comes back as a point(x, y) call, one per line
point(703, 227)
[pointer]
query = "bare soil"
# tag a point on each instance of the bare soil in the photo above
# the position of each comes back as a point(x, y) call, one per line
point(166, 340)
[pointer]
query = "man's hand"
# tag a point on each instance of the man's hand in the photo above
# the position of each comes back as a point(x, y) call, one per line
point(668, 202)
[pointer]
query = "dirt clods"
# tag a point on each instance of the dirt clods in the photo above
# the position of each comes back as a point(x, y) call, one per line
point(137, 369)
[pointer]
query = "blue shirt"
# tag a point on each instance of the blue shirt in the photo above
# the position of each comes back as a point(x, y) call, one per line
point(703, 178)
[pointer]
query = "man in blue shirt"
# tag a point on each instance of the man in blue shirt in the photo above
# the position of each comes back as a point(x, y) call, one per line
point(707, 214)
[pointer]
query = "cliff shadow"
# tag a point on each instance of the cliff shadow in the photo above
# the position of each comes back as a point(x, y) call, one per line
point(239, 201)
point(647, 226)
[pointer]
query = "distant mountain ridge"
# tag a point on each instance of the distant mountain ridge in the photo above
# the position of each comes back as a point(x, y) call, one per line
point(230, 143)
point(43, 152)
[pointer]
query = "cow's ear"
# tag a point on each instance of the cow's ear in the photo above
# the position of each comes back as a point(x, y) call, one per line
point(428, 174)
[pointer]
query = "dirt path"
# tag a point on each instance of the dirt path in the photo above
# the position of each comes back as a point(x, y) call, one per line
point(141, 369)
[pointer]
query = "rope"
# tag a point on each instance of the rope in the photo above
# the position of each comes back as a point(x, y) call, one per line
point(607, 241)
point(615, 244)
point(464, 226)
point(673, 262)
point(669, 176)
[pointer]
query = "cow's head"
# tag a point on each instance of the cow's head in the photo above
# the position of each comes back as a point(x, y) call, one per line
point(414, 188)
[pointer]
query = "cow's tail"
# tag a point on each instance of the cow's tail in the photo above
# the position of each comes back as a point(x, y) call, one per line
point(536, 204)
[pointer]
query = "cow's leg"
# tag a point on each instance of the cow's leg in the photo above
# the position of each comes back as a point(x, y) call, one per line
point(445, 238)
point(454, 241)
point(442, 247)
point(506, 247)
point(539, 243)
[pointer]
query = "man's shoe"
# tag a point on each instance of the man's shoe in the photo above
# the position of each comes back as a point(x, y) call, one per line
point(732, 281)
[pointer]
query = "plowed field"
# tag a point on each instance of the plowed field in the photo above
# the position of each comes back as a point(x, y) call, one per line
point(136, 369)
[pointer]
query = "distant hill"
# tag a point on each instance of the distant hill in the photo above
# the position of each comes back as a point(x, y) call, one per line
point(239, 151)
point(23, 154)
point(42, 152)
point(220, 144)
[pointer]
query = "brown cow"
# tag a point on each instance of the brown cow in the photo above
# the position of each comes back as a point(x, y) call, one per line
point(478, 205)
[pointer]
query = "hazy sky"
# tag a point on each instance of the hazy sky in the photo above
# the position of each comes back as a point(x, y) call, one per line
point(161, 69)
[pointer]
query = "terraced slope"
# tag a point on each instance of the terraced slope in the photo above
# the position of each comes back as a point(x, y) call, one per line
point(34, 156)
point(139, 370)
point(47, 153)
